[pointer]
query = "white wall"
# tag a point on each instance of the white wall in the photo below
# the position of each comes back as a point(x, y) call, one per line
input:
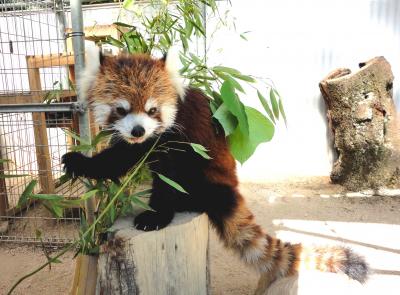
point(296, 43)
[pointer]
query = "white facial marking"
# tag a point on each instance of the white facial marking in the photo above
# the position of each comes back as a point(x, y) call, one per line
point(172, 66)
point(168, 114)
point(150, 103)
point(126, 124)
point(122, 103)
point(88, 75)
point(102, 112)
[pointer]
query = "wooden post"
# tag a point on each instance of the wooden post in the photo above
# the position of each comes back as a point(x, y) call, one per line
point(40, 131)
point(3, 192)
point(3, 201)
point(85, 275)
point(171, 261)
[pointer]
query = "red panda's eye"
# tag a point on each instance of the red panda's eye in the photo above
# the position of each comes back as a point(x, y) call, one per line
point(121, 111)
point(152, 111)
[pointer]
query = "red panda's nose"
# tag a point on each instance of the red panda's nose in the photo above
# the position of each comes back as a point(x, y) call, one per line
point(138, 131)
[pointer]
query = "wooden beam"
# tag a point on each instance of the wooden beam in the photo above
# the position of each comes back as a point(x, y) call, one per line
point(48, 61)
point(40, 133)
point(22, 98)
point(96, 33)
point(3, 192)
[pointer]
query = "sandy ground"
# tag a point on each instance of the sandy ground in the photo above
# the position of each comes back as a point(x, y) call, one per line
point(306, 210)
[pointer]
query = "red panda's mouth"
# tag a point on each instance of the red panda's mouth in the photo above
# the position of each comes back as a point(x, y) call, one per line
point(135, 140)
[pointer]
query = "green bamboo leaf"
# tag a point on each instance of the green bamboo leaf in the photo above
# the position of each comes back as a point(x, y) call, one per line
point(228, 70)
point(27, 193)
point(229, 78)
point(112, 41)
point(266, 106)
point(127, 4)
point(103, 134)
point(54, 208)
point(172, 183)
point(282, 111)
point(113, 214)
point(120, 24)
point(2, 161)
point(75, 136)
point(201, 150)
point(261, 130)
point(141, 204)
point(142, 193)
point(88, 195)
point(244, 78)
point(81, 148)
point(48, 197)
point(234, 105)
point(274, 103)
point(55, 260)
point(226, 119)
point(198, 26)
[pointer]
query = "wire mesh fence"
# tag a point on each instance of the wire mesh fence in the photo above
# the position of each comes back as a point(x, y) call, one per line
point(36, 66)
point(28, 151)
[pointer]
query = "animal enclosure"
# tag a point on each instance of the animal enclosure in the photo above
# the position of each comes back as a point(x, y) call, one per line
point(36, 69)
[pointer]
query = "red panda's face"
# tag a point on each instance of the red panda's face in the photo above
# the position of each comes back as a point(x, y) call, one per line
point(134, 95)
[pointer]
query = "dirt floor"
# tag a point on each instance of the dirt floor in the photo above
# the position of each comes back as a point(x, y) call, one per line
point(308, 210)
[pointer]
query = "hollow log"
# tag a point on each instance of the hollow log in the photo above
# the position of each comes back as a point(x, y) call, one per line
point(363, 119)
point(171, 261)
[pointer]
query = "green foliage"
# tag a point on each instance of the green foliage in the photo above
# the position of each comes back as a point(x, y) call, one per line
point(172, 183)
point(201, 150)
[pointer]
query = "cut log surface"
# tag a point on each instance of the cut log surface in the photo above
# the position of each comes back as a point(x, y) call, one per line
point(363, 119)
point(171, 261)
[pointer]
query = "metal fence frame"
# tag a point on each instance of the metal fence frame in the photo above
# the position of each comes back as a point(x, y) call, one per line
point(25, 105)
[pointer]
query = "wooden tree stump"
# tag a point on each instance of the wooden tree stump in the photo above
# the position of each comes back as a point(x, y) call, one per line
point(171, 261)
point(363, 119)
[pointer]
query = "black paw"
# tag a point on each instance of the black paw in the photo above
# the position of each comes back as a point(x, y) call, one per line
point(150, 220)
point(74, 164)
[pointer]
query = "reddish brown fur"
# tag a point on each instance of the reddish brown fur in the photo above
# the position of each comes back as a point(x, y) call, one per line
point(143, 77)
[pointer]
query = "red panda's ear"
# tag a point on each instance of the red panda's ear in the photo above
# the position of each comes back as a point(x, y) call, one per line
point(164, 58)
point(93, 61)
point(172, 62)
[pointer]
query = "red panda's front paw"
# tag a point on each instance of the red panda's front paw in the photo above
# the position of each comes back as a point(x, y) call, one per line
point(149, 220)
point(74, 164)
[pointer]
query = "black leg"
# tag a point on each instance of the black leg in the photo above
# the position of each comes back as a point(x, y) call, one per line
point(162, 202)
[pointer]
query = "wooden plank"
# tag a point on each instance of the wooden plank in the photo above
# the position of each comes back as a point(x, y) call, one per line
point(22, 98)
point(48, 61)
point(96, 33)
point(85, 276)
point(40, 133)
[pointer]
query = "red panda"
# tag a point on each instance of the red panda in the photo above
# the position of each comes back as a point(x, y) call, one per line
point(141, 99)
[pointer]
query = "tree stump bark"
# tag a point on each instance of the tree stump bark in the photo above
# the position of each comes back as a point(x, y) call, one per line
point(363, 118)
point(171, 261)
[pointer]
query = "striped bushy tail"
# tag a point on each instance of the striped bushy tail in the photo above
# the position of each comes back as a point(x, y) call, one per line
point(278, 259)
